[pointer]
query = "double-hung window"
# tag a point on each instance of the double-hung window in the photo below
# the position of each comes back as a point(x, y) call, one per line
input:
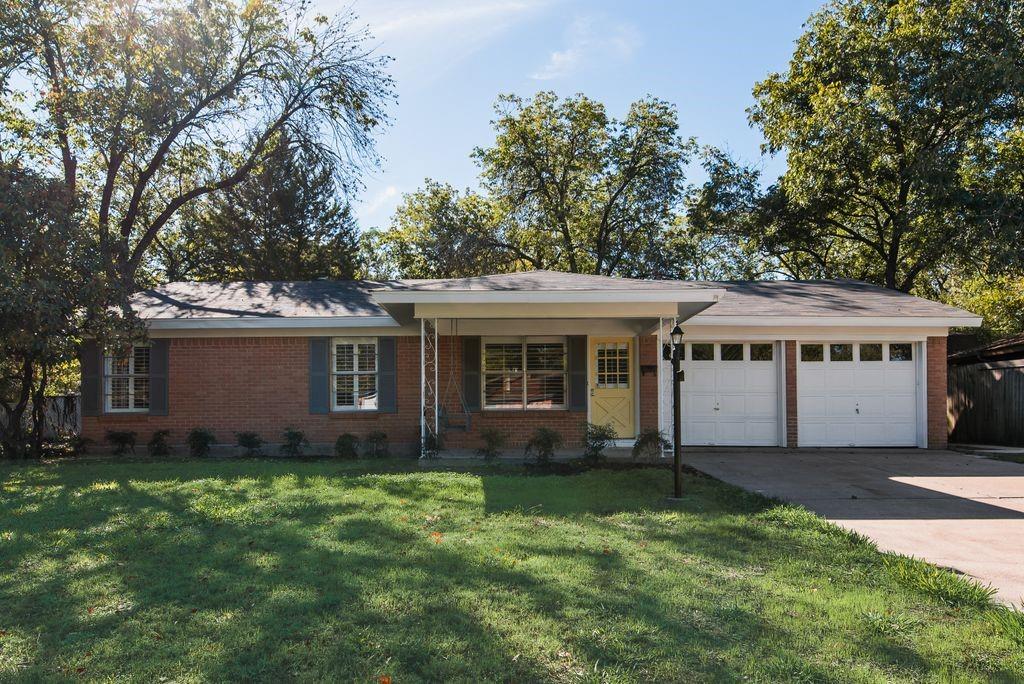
point(126, 380)
point(525, 373)
point(354, 373)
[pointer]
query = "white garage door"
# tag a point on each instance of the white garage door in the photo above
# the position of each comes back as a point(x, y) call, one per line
point(730, 394)
point(857, 394)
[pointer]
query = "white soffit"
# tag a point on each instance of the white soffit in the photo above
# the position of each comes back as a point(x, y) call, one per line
point(837, 321)
point(258, 322)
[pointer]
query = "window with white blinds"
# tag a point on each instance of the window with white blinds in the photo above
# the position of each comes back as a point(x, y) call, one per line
point(126, 380)
point(354, 374)
point(525, 373)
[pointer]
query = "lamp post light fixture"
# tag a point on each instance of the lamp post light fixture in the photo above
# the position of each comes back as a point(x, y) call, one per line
point(677, 429)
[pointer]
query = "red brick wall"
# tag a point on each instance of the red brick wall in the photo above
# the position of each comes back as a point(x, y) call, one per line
point(233, 384)
point(791, 414)
point(650, 357)
point(938, 426)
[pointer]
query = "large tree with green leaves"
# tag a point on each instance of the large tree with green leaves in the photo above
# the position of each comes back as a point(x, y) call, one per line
point(147, 107)
point(564, 186)
point(284, 222)
point(898, 119)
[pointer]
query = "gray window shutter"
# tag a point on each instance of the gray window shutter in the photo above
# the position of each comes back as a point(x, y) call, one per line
point(91, 358)
point(471, 372)
point(319, 374)
point(387, 377)
point(577, 351)
point(158, 366)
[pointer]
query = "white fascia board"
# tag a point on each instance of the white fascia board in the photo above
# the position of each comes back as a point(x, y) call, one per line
point(259, 323)
point(545, 296)
point(838, 321)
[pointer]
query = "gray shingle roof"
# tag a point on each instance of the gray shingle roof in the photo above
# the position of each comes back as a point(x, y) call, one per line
point(540, 280)
point(257, 299)
point(192, 300)
point(820, 298)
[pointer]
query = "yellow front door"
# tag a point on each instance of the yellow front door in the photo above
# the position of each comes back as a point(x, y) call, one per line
point(611, 384)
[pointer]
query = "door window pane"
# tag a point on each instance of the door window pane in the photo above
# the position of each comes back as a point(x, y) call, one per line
point(702, 352)
point(732, 352)
point(871, 352)
point(840, 352)
point(613, 365)
point(901, 351)
point(762, 352)
point(812, 352)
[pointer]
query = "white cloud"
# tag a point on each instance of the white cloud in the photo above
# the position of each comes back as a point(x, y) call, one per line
point(427, 39)
point(382, 199)
point(590, 38)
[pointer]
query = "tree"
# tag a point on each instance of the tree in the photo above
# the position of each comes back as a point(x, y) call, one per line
point(284, 222)
point(564, 186)
point(894, 116)
point(49, 296)
point(149, 107)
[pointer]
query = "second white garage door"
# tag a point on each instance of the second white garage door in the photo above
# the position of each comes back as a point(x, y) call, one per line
point(857, 394)
point(730, 394)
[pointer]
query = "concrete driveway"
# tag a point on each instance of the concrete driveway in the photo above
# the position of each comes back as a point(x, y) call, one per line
point(955, 510)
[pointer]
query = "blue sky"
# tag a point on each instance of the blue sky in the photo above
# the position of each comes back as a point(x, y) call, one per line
point(453, 58)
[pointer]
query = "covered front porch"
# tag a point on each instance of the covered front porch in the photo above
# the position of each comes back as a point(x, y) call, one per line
point(516, 360)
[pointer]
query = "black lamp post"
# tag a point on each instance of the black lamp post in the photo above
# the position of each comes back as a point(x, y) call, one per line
point(677, 429)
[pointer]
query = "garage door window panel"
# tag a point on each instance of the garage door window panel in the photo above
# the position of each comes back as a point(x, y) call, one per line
point(840, 352)
point(901, 351)
point(702, 352)
point(812, 353)
point(762, 352)
point(732, 352)
point(870, 352)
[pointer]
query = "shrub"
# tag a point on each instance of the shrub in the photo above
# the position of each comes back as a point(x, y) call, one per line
point(375, 445)
point(596, 438)
point(944, 585)
point(199, 441)
point(542, 445)
point(249, 441)
point(1009, 622)
point(123, 441)
point(347, 447)
point(650, 443)
point(293, 442)
point(432, 445)
point(158, 445)
point(494, 441)
point(79, 445)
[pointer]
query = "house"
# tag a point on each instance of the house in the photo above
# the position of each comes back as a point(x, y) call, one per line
point(770, 363)
point(986, 393)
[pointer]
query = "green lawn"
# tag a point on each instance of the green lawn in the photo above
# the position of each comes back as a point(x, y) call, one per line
point(270, 570)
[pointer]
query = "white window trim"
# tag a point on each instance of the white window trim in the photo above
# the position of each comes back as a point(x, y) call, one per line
point(108, 376)
point(523, 340)
point(355, 373)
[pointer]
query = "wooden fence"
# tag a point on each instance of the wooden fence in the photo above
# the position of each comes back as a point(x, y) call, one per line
point(985, 403)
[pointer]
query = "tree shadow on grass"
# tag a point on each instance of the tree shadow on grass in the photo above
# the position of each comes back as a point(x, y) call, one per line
point(231, 572)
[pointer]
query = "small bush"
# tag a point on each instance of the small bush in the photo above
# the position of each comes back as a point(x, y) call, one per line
point(944, 585)
point(596, 438)
point(123, 441)
point(494, 441)
point(347, 447)
point(158, 445)
point(375, 445)
point(293, 442)
point(432, 444)
point(79, 445)
point(650, 444)
point(1009, 622)
point(199, 441)
point(249, 441)
point(542, 445)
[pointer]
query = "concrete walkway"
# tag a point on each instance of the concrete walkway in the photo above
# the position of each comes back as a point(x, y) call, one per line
point(955, 510)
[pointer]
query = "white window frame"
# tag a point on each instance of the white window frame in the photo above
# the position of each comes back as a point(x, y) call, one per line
point(524, 341)
point(355, 373)
point(131, 375)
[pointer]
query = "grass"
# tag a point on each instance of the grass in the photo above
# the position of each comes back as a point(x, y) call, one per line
point(193, 570)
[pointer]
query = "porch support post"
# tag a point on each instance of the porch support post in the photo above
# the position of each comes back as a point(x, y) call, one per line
point(661, 364)
point(423, 385)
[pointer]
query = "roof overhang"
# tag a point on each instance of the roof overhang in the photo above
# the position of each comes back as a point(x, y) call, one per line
point(265, 322)
point(839, 321)
point(691, 294)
